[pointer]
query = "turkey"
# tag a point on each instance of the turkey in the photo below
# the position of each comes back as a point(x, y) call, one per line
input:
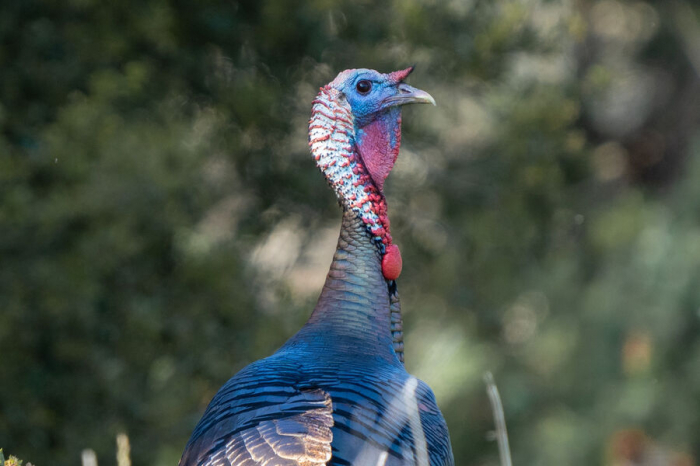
point(337, 392)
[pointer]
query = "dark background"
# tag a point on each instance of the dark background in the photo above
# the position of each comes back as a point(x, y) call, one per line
point(162, 223)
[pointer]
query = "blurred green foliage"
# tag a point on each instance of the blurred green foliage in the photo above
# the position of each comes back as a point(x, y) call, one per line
point(162, 224)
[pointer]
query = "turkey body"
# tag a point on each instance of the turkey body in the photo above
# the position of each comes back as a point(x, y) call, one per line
point(337, 392)
point(338, 382)
point(376, 413)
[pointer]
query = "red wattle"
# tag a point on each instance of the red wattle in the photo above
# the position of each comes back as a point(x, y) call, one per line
point(391, 262)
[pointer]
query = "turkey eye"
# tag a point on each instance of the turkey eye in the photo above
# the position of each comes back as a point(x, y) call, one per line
point(364, 86)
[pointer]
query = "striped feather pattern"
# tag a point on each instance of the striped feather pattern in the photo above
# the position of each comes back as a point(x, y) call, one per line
point(290, 410)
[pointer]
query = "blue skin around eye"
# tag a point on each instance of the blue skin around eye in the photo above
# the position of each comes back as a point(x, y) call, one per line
point(367, 107)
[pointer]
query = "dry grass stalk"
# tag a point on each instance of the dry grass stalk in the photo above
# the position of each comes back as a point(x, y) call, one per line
point(501, 432)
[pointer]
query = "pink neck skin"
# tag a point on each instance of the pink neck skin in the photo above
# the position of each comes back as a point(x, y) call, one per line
point(378, 144)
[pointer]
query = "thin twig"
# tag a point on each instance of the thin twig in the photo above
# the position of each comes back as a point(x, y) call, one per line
point(89, 458)
point(123, 450)
point(499, 419)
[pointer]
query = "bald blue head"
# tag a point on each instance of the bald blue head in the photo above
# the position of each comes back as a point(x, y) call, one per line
point(371, 93)
point(374, 100)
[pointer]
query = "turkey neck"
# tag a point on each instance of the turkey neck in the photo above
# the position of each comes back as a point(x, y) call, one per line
point(353, 312)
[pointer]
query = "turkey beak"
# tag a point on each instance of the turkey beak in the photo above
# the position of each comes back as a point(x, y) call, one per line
point(409, 95)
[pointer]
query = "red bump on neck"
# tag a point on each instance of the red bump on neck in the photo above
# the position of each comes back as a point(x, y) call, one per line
point(392, 262)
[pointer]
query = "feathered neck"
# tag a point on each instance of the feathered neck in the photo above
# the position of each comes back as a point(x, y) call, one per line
point(333, 143)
